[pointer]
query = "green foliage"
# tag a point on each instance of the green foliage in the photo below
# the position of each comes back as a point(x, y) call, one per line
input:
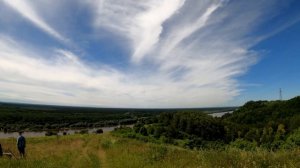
point(176, 125)
point(256, 124)
point(259, 113)
point(81, 151)
point(137, 127)
point(267, 135)
point(15, 117)
point(265, 122)
point(99, 131)
point(294, 138)
point(156, 153)
point(253, 135)
point(84, 131)
point(106, 143)
point(280, 133)
point(158, 131)
point(244, 144)
point(143, 131)
point(51, 133)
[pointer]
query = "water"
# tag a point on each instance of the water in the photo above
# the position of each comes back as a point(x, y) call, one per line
point(42, 133)
point(220, 114)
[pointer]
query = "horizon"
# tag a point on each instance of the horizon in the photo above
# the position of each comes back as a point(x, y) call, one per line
point(121, 108)
point(152, 54)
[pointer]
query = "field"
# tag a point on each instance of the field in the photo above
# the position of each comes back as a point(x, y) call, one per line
point(107, 150)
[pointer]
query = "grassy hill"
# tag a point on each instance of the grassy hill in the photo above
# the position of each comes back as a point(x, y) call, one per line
point(258, 134)
point(271, 125)
point(260, 113)
point(116, 152)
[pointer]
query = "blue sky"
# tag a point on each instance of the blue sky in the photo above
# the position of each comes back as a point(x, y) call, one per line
point(149, 54)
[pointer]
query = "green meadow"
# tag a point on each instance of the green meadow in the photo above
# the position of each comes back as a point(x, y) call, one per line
point(106, 150)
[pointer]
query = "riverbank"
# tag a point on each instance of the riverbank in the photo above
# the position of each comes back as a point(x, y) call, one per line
point(220, 114)
point(61, 132)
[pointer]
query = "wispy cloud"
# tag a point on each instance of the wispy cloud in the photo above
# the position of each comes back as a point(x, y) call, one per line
point(141, 21)
point(183, 53)
point(26, 75)
point(25, 8)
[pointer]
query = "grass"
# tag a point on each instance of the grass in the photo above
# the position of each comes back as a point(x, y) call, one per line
point(109, 151)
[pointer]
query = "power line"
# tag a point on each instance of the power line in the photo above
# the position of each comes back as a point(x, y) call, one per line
point(280, 94)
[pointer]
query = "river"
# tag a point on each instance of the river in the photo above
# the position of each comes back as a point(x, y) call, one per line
point(42, 133)
point(220, 114)
point(72, 131)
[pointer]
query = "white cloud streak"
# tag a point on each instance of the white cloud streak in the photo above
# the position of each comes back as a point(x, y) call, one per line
point(25, 8)
point(28, 76)
point(141, 21)
point(196, 50)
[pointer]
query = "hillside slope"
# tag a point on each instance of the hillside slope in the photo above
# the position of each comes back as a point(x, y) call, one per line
point(260, 113)
point(110, 151)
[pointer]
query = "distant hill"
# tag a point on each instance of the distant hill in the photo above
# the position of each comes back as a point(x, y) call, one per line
point(260, 113)
point(268, 124)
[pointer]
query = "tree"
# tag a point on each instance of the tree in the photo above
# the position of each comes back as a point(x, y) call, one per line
point(280, 133)
point(294, 138)
point(99, 131)
point(267, 135)
point(252, 135)
point(143, 131)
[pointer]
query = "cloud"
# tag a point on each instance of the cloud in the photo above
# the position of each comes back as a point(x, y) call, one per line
point(25, 8)
point(183, 53)
point(26, 75)
point(141, 21)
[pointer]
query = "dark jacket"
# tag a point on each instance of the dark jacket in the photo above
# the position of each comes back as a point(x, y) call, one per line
point(21, 142)
point(1, 152)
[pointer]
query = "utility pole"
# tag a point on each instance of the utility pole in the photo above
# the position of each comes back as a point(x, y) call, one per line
point(280, 94)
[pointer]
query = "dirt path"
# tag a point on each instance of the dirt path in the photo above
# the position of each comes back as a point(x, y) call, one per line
point(102, 157)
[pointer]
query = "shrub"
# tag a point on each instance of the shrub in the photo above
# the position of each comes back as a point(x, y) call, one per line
point(165, 139)
point(294, 138)
point(243, 144)
point(143, 131)
point(194, 142)
point(150, 130)
point(50, 133)
point(99, 131)
point(137, 127)
point(84, 131)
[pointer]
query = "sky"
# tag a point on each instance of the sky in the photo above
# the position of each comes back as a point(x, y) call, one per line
point(149, 54)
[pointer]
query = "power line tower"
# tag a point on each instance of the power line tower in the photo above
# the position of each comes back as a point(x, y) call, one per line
point(280, 94)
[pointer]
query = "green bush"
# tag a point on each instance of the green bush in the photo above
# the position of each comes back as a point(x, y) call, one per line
point(50, 133)
point(143, 131)
point(99, 131)
point(243, 144)
point(84, 131)
point(294, 138)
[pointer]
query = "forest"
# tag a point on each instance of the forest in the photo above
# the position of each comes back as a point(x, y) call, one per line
point(28, 117)
point(270, 125)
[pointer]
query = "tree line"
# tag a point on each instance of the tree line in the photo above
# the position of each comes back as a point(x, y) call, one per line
point(267, 124)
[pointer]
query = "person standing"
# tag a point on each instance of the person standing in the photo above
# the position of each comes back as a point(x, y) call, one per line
point(21, 144)
point(1, 152)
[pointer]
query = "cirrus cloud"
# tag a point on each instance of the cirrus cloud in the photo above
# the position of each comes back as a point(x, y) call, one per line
point(183, 53)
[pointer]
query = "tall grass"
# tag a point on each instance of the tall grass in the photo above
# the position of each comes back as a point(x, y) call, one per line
point(116, 152)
